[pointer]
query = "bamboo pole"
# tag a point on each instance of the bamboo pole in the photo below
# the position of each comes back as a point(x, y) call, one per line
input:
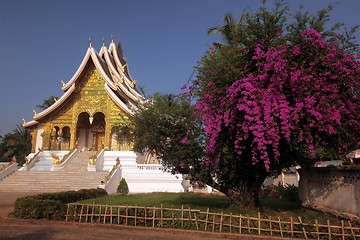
point(172, 216)
point(240, 221)
point(342, 230)
point(92, 213)
point(259, 223)
point(304, 231)
point(87, 213)
point(248, 223)
point(161, 216)
point(221, 220)
point(292, 226)
point(280, 227)
point(67, 212)
point(270, 226)
point(213, 227)
point(206, 218)
point(145, 216)
point(81, 212)
point(329, 229)
point(118, 214)
point(352, 230)
point(230, 222)
point(126, 215)
point(196, 222)
point(111, 215)
point(154, 213)
point(135, 214)
point(74, 213)
point(317, 228)
point(182, 216)
point(105, 213)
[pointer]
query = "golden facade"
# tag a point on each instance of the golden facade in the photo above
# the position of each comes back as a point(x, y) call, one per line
point(97, 100)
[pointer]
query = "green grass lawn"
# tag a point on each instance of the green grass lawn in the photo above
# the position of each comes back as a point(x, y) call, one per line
point(216, 203)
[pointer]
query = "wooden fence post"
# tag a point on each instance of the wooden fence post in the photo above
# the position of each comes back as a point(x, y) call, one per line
point(240, 221)
point(206, 218)
point(161, 216)
point(329, 229)
point(126, 215)
point(182, 216)
point(304, 231)
point(259, 223)
point(67, 212)
point(221, 220)
point(154, 213)
point(81, 212)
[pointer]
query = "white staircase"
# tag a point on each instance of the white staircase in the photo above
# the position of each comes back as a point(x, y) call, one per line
point(73, 177)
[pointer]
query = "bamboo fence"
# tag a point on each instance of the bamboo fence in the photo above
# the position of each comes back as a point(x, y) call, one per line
point(186, 218)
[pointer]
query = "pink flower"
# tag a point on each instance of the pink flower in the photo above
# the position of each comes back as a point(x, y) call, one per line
point(184, 140)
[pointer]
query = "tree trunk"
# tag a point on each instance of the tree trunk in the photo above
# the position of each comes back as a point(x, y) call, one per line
point(246, 197)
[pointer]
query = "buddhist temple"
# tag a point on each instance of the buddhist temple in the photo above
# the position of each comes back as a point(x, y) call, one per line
point(74, 144)
point(97, 99)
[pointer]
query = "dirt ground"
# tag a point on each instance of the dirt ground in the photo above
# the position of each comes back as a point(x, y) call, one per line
point(25, 229)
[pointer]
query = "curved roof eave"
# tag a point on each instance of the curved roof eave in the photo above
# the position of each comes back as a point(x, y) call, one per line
point(117, 75)
point(96, 59)
point(127, 81)
point(29, 124)
point(118, 101)
point(56, 104)
point(78, 71)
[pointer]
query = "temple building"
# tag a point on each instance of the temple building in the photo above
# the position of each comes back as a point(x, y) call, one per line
point(96, 101)
point(74, 141)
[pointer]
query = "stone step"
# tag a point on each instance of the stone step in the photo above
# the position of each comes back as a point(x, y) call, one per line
point(50, 181)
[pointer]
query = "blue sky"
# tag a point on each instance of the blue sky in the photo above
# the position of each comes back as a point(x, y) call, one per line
point(44, 41)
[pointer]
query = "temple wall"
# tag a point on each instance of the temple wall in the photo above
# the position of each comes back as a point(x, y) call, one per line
point(331, 189)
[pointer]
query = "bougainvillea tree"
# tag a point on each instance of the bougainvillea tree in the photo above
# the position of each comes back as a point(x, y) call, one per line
point(280, 101)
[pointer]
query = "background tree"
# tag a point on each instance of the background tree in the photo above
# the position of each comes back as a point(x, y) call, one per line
point(47, 102)
point(16, 144)
point(166, 125)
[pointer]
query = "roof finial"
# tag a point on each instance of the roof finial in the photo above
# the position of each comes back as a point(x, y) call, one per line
point(103, 41)
point(90, 42)
point(112, 38)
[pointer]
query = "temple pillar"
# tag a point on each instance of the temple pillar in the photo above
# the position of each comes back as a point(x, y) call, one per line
point(46, 138)
point(107, 135)
point(72, 137)
point(33, 140)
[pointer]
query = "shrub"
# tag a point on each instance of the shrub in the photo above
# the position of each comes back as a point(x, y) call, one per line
point(52, 205)
point(290, 192)
point(123, 188)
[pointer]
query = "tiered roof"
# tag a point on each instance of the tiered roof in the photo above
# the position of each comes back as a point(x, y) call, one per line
point(118, 82)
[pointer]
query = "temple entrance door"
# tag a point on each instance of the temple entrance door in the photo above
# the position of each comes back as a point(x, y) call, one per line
point(98, 131)
point(83, 132)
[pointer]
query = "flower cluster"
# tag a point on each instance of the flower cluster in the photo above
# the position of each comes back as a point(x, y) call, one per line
point(303, 94)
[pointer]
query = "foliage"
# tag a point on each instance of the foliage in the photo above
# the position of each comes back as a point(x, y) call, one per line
point(290, 192)
point(166, 125)
point(52, 205)
point(123, 188)
point(281, 94)
point(16, 144)
point(49, 209)
point(47, 102)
